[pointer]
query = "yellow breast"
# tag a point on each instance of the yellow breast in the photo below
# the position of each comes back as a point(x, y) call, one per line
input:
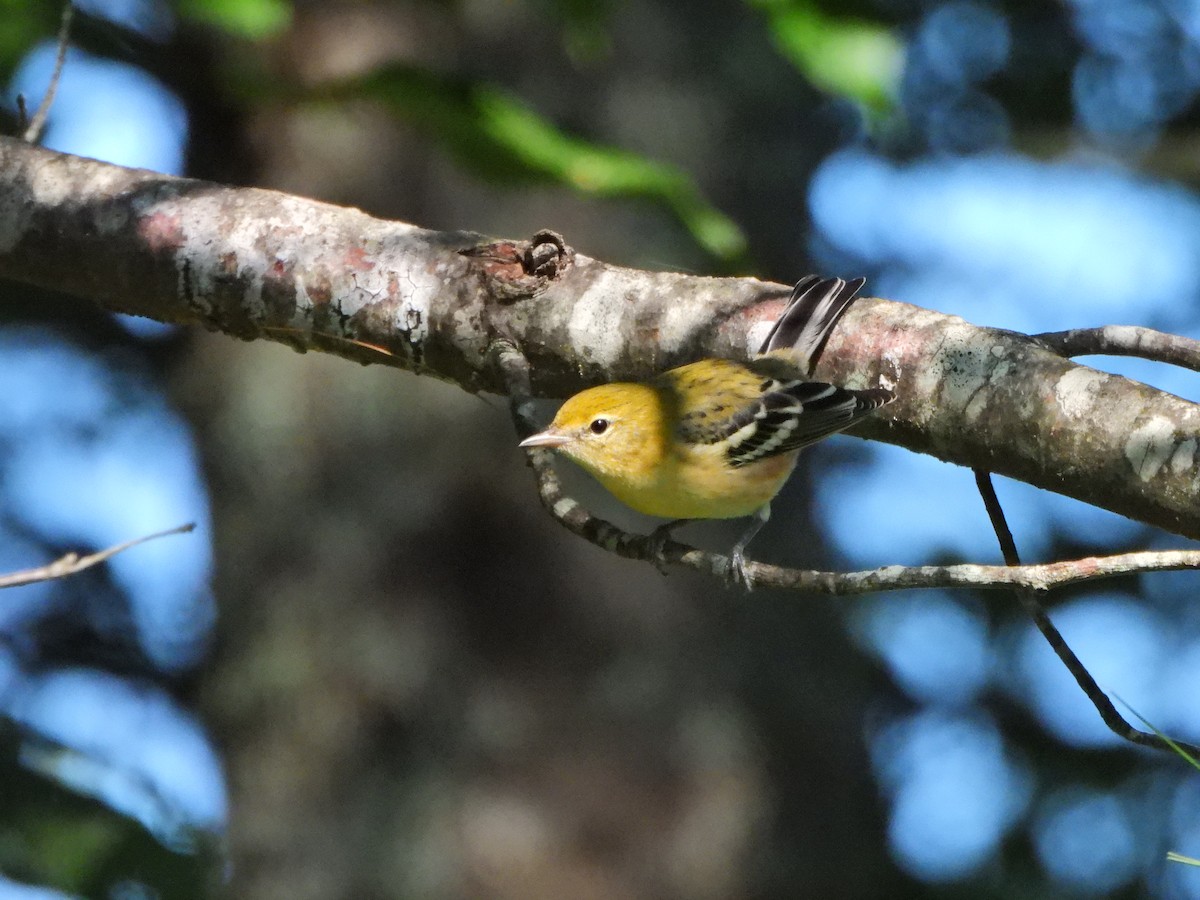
point(697, 483)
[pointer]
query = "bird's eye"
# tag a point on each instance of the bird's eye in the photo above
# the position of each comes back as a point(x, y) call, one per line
point(599, 426)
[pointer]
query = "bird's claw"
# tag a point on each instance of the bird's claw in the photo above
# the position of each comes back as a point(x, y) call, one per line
point(736, 574)
point(656, 545)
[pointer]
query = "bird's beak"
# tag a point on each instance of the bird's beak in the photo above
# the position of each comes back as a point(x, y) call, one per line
point(548, 439)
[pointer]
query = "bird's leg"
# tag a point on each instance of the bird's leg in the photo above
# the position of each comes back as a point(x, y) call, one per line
point(657, 542)
point(736, 574)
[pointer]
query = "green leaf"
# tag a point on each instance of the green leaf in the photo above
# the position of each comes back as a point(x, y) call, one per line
point(25, 24)
point(251, 19)
point(499, 138)
point(854, 58)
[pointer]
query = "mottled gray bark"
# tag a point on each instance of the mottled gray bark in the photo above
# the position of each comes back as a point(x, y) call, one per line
point(256, 263)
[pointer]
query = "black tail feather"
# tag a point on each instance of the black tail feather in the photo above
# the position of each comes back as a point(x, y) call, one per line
point(815, 307)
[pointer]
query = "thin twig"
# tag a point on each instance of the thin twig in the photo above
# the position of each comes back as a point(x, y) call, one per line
point(22, 114)
point(1124, 340)
point(1108, 712)
point(33, 134)
point(73, 562)
point(1042, 577)
point(514, 367)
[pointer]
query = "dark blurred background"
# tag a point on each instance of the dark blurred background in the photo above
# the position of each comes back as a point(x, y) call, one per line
point(378, 670)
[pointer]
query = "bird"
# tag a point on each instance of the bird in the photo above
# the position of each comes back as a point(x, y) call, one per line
point(717, 438)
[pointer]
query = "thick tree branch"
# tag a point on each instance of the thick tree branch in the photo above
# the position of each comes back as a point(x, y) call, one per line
point(256, 263)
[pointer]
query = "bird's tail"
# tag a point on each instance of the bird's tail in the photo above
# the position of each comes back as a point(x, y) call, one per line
point(815, 307)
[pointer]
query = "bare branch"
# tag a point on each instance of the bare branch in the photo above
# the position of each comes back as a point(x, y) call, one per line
point(33, 133)
point(1125, 340)
point(1108, 712)
point(1042, 577)
point(73, 562)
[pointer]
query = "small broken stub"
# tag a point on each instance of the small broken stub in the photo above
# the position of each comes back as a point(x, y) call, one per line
point(515, 270)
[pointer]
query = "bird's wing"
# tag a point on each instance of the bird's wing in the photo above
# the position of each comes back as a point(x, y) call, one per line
point(789, 416)
point(765, 407)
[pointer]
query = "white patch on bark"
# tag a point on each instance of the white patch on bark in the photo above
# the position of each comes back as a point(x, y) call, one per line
point(680, 319)
point(595, 323)
point(1076, 391)
point(418, 288)
point(1184, 457)
point(50, 185)
point(304, 301)
point(239, 245)
point(890, 364)
point(1149, 446)
point(756, 335)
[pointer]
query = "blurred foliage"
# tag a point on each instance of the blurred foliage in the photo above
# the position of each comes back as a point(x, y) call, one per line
point(850, 57)
point(585, 25)
point(250, 19)
point(81, 846)
point(25, 22)
point(497, 137)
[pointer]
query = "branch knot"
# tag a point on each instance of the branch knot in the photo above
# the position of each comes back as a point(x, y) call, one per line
point(516, 270)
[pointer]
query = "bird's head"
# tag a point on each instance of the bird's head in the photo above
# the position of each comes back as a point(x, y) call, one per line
point(607, 430)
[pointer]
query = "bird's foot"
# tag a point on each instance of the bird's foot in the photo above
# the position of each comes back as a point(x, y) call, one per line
point(735, 572)
point(656, 543)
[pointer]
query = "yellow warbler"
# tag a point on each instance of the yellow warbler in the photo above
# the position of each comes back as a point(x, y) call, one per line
point(716, 439)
